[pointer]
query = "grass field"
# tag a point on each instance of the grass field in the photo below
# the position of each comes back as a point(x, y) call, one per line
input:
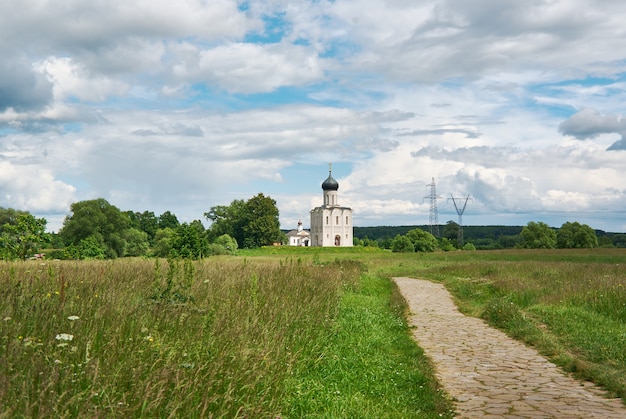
point(569, 304)
point(287, 332)
point(246, 336)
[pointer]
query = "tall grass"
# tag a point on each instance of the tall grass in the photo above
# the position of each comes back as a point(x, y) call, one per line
point(261, 335)
point(156, 339)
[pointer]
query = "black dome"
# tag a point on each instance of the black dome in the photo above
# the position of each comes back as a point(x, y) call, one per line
point(330, 184)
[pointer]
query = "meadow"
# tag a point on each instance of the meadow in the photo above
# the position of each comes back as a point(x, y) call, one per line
point(568, 304)
point(227, 337)
point(285, 332)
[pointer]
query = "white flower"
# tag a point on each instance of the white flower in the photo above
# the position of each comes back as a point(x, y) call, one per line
point(72, 318)
point(64, 336)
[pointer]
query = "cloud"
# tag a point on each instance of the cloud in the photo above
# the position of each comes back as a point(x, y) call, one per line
point(589, 123)
point(248, 68)
point(469, 133)
point(83, 27)
point(31, 188)
point(179, 108)
point(429, 42)
point(22, 87)
point(73, 82)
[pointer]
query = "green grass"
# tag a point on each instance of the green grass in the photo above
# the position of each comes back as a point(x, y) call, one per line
point(284, 332)
point(248, 336)
point(370, 367)
point(569, 304)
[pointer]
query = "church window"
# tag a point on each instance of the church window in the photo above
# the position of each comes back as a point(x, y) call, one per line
point(347, 220)
point(327, 220)
point(337, 220)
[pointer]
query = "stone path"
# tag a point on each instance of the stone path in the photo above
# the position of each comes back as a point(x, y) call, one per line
point(490, 375)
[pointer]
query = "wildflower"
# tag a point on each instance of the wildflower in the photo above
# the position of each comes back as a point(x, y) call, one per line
point(72, 318)
point(64, 336)
point(149, 338)
point(6, 319)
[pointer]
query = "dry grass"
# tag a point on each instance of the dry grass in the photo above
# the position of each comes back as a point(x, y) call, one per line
point(154, 339)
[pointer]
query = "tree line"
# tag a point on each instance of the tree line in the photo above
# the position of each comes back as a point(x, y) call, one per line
point(570, 234)
point(96, 229)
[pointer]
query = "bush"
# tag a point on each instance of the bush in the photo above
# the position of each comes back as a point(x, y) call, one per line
point(469, 246)
point(402, 244)
point(422, 240)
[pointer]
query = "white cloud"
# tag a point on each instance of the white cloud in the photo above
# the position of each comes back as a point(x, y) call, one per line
point(31, 188)
point(71, 81)
point(89, 26)
point(249, 68)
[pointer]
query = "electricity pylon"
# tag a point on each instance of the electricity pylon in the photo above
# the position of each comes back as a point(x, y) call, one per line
point(460, 212)
point(433, 215)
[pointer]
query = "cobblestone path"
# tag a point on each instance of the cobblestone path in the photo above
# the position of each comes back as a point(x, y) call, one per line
point(490, 375)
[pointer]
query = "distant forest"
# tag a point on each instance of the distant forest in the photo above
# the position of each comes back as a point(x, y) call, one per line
point(482, 237)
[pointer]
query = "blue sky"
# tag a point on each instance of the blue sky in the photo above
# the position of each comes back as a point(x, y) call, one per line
point(163, 106)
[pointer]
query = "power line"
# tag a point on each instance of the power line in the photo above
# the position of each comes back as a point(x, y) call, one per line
point(433, 215)
point(460, 212)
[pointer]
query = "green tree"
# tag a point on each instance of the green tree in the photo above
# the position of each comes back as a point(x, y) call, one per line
point(9, 216)
point(422, 240)
point(189, 241)
point(92, 247)
point(227, 242)
point(537, 236)
point(451, 231)
point(228, 220)
point(576, 235)
point(168, 220)
point(252, 223)
point(23, 236)
point(100, 219)
point(163, 242)
point(261, 227)
point(137, 242)
point(367, 242)
point(402, 244)
point(145, 221)
point(509, 241)
point(446, 244)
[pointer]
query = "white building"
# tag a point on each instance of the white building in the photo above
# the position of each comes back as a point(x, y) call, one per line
point(299, 237)
point(331, 224)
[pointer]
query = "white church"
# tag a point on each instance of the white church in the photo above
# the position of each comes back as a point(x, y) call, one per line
point(299, 237)
point(331, 224)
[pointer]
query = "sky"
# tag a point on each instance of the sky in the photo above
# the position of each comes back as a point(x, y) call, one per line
point(154, 105)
